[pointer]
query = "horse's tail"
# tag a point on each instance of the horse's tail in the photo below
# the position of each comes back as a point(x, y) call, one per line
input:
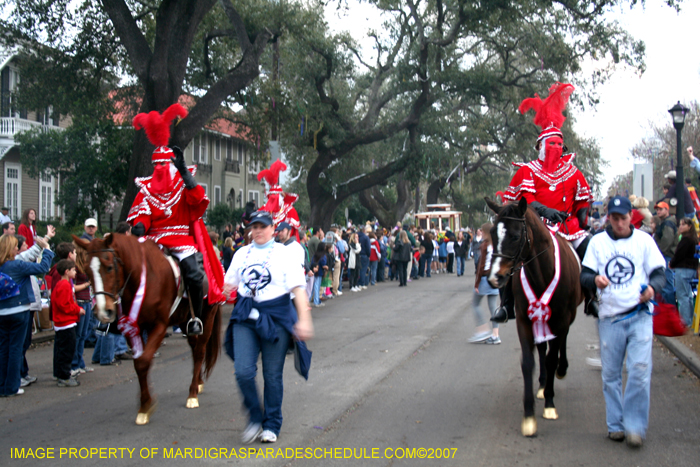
point(211, 354)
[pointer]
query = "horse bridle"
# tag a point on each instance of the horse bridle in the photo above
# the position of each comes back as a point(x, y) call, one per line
point(524, 238)
point(116, 261)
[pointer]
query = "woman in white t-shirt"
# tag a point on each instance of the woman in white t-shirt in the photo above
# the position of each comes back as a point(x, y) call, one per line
point(265, 275)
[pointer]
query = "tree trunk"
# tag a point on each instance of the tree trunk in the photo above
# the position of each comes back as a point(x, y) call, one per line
point(322, 212)
point(434, 190)
point(387, 213)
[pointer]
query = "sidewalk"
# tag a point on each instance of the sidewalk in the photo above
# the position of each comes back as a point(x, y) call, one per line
point(684, 354)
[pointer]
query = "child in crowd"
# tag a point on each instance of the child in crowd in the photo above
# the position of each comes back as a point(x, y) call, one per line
point(66, 314)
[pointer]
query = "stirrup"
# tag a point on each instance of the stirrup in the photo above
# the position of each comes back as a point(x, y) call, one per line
point(102, 329)
point(194, 327)
point(500, 315)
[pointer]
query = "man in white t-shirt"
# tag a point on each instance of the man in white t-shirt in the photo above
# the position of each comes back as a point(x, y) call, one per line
point(284, 236)
point(263, 321)
point(628, 270)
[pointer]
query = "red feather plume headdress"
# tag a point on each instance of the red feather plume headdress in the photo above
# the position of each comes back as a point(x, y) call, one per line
point(157, 129)
point(548, 112)
point(272, 175)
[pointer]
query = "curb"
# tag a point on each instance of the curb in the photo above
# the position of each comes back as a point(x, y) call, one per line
point(686, 356)
point(45, 337)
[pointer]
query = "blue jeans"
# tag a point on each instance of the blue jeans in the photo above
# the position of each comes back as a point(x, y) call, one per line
point(381, 269)
point(24, 371)
point(317, 289)
point(247, 345)
point(82, 331)
point(120, 345)
point(460, 265)
point(684, 295)
point(668, 293)
point(92, 337)
point(424, 265)
point(364, 266)
point(634, 336)
point(373, 272)
point(13, 329)
point(104, 349)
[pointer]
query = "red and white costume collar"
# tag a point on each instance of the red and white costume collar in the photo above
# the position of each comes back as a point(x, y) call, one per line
point(565, 170)
point(164, 202)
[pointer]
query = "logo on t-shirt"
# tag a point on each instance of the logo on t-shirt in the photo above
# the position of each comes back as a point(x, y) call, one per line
point(619, 270)
point(256, 277)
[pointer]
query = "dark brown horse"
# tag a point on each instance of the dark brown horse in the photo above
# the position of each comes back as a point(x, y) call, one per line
point(116, 265)
point(522, 241)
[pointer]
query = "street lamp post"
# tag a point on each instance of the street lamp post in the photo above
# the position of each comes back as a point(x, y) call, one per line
point(678, 113)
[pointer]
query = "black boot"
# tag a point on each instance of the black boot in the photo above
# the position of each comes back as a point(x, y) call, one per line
point(590, 298)
point(193, 274)
point(590, 303)
point(506, 311)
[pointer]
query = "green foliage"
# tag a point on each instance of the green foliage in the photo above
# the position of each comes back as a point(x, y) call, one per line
point(90, 157)
point(220, 215)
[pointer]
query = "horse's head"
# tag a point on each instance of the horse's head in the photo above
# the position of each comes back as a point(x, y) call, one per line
point(107, 274)
point(510, 240)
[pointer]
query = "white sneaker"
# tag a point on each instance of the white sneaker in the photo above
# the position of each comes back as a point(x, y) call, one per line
point(354, 289)
point(594, 362)
point(481, 337)
point(340, 293)
point(364, 287)
point(251, 432)
point(268, 437)
point(75, 373)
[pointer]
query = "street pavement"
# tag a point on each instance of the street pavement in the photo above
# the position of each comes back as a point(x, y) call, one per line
point(392, 376)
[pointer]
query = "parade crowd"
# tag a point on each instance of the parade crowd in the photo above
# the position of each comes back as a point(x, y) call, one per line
point(277, 269)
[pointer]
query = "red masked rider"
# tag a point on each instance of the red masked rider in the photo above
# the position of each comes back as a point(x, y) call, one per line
point(552, 185)
point(279, 203)
point(168, 210)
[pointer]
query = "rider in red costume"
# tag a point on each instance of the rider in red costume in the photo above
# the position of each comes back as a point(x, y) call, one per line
point(279, 203)
point(552, 185)
point(168, 210)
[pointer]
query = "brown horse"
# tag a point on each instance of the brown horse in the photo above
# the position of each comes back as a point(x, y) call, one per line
point(522, 241)
point(116, 265)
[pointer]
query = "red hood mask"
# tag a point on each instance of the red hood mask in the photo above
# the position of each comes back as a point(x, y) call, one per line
point(162, 181)
point(551, 155)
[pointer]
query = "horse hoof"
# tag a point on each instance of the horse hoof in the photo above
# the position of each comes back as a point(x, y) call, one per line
point(143, 418)
point(540, 393)
point(529, 426)
point(560, 376)
point(200, 388)
point(192, 403)
point(550, 413)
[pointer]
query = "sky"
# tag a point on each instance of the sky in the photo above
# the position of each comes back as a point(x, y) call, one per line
point(628, 102)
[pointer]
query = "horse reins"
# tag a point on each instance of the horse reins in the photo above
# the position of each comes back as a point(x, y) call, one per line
point(117, 297)
point(524, 238)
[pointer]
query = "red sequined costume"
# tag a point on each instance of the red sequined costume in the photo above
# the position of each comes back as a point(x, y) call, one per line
point(279, 203)
point(168, 210)
point(565, 190)
point(169, 218)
